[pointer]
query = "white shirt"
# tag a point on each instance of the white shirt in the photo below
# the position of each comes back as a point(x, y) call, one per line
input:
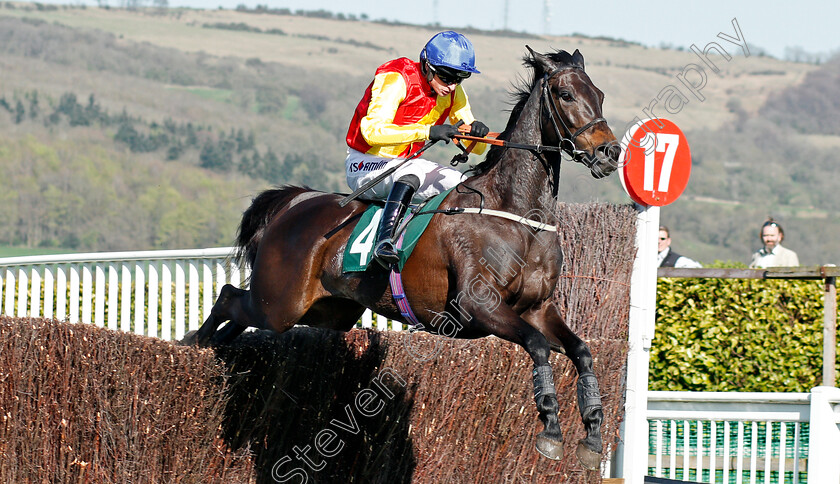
point(682, 263)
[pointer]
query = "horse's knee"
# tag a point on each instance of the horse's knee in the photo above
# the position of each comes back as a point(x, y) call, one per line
point(226, 303)
point(237, 306)
point(581, 357)
point(228, 293)
point(223, 310)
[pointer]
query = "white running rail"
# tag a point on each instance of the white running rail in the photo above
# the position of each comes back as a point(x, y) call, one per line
point(744, 437)
point(728, 436)
point(153, 293)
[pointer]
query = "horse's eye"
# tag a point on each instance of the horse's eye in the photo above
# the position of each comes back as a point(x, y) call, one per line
point(566, 96)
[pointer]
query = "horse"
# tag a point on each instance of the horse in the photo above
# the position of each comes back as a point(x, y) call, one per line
point(293, 238)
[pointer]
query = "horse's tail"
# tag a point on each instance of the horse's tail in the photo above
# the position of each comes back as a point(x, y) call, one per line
point(255, 219)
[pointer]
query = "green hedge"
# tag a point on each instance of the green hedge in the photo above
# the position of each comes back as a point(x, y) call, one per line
point(746, 335)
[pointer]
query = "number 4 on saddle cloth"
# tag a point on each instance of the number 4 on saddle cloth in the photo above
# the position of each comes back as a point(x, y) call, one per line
point(359, 252)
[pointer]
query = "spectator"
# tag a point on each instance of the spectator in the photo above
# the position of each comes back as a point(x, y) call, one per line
point(773, 254)
point(669, 258)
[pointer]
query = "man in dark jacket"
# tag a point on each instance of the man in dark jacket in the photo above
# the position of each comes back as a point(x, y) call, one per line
point(669, 258)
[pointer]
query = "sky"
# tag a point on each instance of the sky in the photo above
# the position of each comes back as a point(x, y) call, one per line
point(772, 26)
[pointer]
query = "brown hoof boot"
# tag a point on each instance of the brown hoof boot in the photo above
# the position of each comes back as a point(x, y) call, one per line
point(588, 459)
point(553, 449)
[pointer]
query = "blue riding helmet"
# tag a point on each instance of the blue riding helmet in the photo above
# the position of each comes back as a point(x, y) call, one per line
point(450, 49)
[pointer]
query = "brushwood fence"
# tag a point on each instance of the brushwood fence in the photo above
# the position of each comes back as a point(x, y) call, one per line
point(82, 404)
point(465, 415)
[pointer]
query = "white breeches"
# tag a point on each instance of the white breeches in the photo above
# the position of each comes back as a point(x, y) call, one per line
point(434, 178)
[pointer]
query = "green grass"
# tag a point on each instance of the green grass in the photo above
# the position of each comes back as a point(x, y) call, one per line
point(292, 104)
point(118, 22)
point(209, 93)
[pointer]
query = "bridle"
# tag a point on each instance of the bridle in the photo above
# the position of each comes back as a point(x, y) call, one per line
point(566, 143)
point(554, 114)
point(566, 138)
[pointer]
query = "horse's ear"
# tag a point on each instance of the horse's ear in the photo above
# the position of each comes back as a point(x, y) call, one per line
point(542, 61)
point(577, 58)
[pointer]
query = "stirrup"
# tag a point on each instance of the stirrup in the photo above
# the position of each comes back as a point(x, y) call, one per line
point(385, 254)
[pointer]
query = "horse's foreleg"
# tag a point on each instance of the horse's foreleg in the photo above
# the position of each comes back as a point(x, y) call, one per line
point(227, 334)
point(505, 323)
point(550, 440)
point(589, 449)
point(227, 306)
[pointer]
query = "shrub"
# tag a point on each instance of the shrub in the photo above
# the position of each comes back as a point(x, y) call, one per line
point(747, 335)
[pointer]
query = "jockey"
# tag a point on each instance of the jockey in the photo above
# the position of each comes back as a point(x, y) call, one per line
point(406, 104)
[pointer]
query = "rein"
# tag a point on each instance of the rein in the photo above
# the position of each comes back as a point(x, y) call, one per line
point(566, 139)
point(553, 110)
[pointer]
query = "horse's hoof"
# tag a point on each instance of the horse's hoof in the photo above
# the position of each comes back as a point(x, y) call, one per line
point(553, 449)
point(588, 459)
point(192, 339)
point(189, 339)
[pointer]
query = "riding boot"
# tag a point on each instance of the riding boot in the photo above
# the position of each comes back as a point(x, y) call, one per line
point(395, 206)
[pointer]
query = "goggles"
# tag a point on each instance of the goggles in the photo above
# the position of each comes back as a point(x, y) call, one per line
point(447, 75)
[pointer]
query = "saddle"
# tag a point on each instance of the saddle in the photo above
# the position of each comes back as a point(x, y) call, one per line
point(359, 251)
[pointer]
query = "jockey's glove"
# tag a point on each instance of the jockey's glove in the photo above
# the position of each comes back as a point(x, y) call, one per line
point(442, 132)
point(479, 129)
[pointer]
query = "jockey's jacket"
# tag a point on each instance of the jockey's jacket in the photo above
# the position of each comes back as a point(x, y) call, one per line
point(398, 108)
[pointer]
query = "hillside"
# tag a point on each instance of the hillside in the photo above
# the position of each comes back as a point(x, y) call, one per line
point(291, 82)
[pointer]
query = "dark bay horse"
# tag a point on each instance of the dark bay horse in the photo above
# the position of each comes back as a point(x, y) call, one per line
point(483, 275)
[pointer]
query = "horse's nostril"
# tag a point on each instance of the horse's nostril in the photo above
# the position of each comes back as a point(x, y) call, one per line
point(611, 151)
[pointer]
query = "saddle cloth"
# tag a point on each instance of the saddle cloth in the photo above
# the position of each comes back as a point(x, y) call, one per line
point(359, 251)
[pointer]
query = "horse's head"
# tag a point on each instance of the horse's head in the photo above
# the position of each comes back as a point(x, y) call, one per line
point(571, 113)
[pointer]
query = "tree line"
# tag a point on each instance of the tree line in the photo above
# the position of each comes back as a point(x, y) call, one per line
point(220, 151)
point(298, 114)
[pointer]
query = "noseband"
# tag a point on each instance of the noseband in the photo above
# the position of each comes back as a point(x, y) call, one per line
point(567, 138)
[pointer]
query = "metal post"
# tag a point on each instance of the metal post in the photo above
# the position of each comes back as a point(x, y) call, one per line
point(830, 332)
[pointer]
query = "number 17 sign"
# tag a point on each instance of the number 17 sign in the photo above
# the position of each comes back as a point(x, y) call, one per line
point(655, 162)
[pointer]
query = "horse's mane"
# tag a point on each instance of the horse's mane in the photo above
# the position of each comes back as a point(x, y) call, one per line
point(520, 93)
